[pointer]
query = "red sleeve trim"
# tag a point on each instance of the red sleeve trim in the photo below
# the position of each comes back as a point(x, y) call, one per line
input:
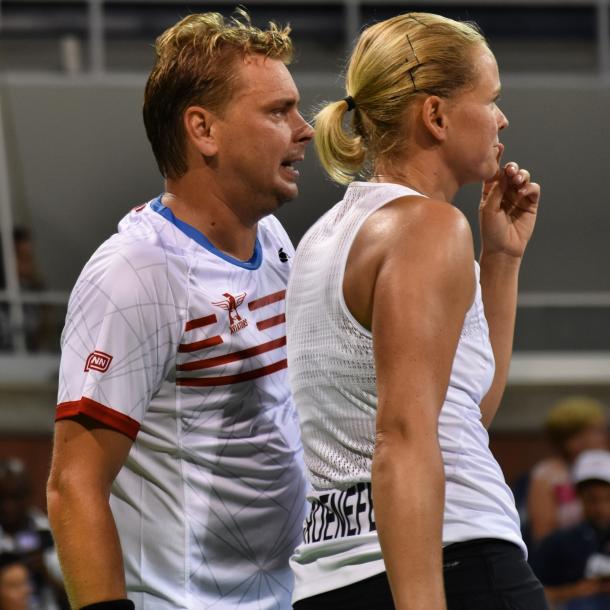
point(99, 412)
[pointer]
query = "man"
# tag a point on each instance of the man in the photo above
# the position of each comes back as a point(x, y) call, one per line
point(15, 587)
point(173, 373)
point(574, 563)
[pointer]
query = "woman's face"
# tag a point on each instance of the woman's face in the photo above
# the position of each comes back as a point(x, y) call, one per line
point(594, 436)
point(15, 588)
point(475, 121)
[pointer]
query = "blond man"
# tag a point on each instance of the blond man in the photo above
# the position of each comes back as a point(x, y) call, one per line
point(177, 479)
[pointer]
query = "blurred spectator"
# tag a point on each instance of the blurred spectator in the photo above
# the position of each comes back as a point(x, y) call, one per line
point(24, 531)
point(37, 322)
point(15, 587)
point(574, 563)
point(573, 425)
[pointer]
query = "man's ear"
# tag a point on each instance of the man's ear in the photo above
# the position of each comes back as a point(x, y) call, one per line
point(198, 127)
point(434, 116)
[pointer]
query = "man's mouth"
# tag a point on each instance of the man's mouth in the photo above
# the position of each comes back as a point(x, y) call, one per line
point(289, 165)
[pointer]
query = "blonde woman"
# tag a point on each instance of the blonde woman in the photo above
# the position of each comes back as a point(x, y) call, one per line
point(399, 342)
point(573, 425)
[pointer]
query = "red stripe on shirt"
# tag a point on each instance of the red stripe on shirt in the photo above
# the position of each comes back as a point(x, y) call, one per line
point(230, 379)
point(232, 357)
point(101, 413)
point(269, 322)
point(199, 322)
point(270, 298)
point(197, 345)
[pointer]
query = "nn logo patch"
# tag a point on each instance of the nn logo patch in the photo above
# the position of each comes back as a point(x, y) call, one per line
point(98, 361)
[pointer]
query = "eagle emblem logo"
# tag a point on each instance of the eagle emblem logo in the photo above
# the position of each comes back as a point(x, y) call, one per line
point(230, 304)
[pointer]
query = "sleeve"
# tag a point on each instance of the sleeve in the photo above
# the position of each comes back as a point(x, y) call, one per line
point(120, 338)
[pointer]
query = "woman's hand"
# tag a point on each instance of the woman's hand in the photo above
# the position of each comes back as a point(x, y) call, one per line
point(507, 213)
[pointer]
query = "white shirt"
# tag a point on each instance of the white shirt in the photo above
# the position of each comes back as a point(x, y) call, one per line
point(333, 379)
point(182, 348)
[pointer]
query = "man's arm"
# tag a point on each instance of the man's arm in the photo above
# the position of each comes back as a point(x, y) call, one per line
point(541, 502)
point(86, 459)
point(583, 588)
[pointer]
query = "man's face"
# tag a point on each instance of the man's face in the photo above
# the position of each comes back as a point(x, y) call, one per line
point(261, 135)
point(595, 498)
point(15, 589)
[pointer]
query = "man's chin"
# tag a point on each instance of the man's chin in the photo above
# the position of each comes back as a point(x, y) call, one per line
point(287, 194)
point(281, 197)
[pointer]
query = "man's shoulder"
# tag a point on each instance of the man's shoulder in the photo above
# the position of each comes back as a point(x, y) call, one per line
point(270, 225)
point(131, 269)
point(273, 236)
point(121, 256)
point(145, 242)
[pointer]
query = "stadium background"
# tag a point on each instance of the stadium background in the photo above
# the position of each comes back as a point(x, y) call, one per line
point(74, 159)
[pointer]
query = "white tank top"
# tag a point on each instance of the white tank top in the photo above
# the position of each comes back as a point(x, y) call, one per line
point(332, 373)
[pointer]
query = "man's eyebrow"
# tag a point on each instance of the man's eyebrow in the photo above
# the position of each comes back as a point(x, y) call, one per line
point(284, 102)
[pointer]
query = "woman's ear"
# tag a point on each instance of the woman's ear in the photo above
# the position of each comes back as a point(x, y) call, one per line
point(434, 116)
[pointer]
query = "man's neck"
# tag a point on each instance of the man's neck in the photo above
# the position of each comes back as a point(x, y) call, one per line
point(205, 209)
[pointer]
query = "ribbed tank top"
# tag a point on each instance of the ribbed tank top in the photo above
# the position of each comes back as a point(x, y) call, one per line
point(332, 374)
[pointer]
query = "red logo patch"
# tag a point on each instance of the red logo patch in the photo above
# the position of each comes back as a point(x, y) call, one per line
point(98, 361)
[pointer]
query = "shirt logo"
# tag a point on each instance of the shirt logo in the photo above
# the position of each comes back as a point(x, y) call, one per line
point(231, 303)
point(98, 361)
point(340, 514)
point(283, 256)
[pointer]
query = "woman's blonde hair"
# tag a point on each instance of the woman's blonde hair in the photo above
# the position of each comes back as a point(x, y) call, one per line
point(571, 416)
point(393, 62)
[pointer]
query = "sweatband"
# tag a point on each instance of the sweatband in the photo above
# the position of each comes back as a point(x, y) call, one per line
point(115, 604)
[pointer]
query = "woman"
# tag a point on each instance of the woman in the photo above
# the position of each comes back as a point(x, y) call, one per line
point(573, 425)
point(389, 352)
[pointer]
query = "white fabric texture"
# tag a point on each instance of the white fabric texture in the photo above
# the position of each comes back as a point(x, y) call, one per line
point(183, 349)
point(332, 375)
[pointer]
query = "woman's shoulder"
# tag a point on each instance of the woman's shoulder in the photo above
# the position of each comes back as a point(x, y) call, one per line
point(552, 470)
point(422, 220)
point(417, 208)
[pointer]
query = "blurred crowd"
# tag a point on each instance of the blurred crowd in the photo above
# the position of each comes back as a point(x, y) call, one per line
point(564, 503)
point(39, 327)
point(30, 578)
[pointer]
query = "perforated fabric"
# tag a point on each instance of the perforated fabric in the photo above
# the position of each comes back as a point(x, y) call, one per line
point(330, 354)
point(332, 374)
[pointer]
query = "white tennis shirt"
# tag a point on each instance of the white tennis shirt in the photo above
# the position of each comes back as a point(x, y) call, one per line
point(182, 348)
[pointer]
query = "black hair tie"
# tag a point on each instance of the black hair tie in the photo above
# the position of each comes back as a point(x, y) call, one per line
point(351, 104)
